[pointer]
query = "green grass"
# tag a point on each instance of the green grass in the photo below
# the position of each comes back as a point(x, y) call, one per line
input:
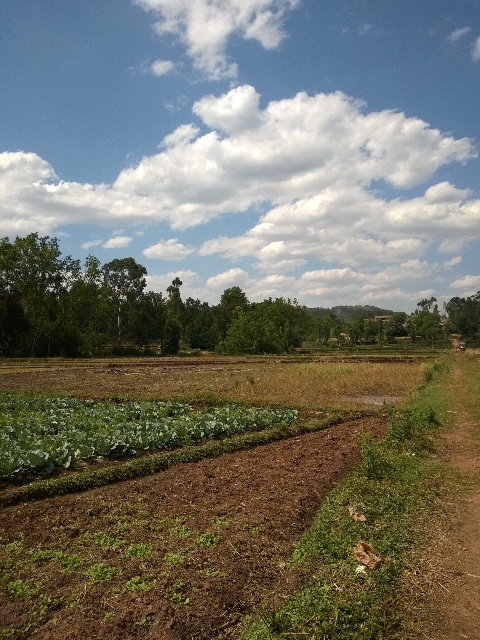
point(394, 488)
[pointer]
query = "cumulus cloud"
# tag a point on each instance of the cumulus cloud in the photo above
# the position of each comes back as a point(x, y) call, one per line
point(162, 67)
point(117, 242)
point(397, 286)
point(354, 227)
point(192, 284)
point(458, 33)
point(168, 250)
point(476, 50)
point(310, 164)
point(308, 149)
point(467, 285)
point(205, 26)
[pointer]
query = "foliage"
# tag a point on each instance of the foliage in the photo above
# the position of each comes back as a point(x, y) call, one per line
point(52, 306)
point(464, 315)
point(41, 433)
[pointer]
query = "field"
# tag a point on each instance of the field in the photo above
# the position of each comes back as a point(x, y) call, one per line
point(192, 551)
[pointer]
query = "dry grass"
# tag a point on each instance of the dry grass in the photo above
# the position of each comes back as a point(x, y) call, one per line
point(309, 384)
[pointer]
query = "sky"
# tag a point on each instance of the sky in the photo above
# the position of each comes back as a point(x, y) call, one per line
point(322, 150)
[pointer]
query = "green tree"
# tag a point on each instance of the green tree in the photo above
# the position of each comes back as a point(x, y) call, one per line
point(32, 267)
point(395, 326)
point(174, 316)
point(425, 321)
point(125, 279)
point(199, 325)
point(464, 315)
point(231, 300)
point(146, 319)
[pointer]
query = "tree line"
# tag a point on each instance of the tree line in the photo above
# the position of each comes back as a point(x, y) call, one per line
point(52, 305)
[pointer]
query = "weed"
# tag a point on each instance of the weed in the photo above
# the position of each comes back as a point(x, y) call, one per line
point(374, 465)
point(220, 521)
point(100, 572)
point(210, 572)
point(41, 555)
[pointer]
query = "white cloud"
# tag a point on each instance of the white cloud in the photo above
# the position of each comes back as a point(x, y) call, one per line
point(205, 26)
point(232, 277)
point(364, 29)
point(458, 33)
point(162, 67)
point(469, 285)
point(192, 285)
point(118, 242)
point(328, 287)
point(91, 243)
point(307, 149)
point(182, 135)
point(476, 50)
point(308, 162)
point(168, 250)
point(232, 113)
point(453, 262)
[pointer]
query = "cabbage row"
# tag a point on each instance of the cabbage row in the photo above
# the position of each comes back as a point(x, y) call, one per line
point(39, 433)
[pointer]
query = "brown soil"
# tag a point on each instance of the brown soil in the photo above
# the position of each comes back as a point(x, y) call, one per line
point(256, 504)
point(449, 569)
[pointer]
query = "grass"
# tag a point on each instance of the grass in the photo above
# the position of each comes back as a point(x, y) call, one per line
point(393, 488)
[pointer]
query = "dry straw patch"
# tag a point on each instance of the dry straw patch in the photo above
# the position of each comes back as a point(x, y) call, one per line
point(310, 384)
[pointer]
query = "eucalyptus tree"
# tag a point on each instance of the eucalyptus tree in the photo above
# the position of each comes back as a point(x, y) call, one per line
point(125, 281)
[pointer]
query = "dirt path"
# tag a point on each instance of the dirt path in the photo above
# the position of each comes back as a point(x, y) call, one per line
point(453, 562)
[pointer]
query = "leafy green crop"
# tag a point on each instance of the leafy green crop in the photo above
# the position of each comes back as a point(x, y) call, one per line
point(40, 433)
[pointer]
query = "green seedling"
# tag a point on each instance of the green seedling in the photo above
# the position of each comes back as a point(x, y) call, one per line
point(137, 583)
point(139, 550)
point(207, 539)
point(100, 573)
point(173, 559)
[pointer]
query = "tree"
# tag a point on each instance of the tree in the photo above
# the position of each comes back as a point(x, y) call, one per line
point(231, 300)
point(33, 269)
point(271, 326)
point(199, 324)
point(146, 319)
point(125, 279)
point(464, 314)
point(173, 324)
point(395, 326)
point(425, 321)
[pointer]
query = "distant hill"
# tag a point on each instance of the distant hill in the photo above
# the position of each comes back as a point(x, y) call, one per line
point(350, 312)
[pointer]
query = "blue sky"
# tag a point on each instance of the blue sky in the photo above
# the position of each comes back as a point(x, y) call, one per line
point(324, 150)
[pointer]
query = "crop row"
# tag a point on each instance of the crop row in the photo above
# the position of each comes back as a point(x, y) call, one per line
point(39, 433)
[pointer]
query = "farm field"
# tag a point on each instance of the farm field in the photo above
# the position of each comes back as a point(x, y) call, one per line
point(188, 552)
point(301, 382)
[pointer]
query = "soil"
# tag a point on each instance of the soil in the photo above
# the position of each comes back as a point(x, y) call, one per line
point(450, 569)
point(232, 522)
